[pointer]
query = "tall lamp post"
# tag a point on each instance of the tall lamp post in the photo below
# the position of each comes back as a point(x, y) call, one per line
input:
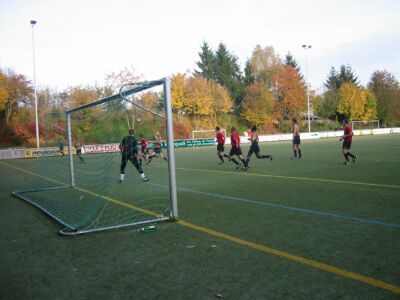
point(306, 47)
point(33, 23)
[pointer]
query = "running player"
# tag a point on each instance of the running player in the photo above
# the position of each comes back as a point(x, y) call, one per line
point(296, 139)
point(129, 151)
point(144, 153)
point(236, 150)
point(254, 148)
point(220, 137)
point(347, 138)
point(157, 151)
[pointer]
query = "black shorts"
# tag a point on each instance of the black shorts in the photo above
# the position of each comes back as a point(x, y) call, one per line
point(346, 145)
point(235, 151)
point(158, 150)
point(296, 140)
point(78, 151)
point(254, 148)
point(220, 148)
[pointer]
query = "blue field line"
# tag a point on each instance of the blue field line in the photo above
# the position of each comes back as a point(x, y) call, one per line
point(303, 210)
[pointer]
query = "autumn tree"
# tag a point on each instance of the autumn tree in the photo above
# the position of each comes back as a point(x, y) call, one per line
point(290, 91)
point(197, 96)
point(178, 92)
point(78, 96)
point(352, 101)
point(387, 91)
point(114, 80)
point(264, 63)
point(222, 102)
point(328, 107)
point(258, 104)
point(370, 106)
point(198, 100)
point(14, 89)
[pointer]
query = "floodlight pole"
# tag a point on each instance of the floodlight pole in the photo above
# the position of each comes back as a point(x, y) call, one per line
point(306, 47)
point(33, 23)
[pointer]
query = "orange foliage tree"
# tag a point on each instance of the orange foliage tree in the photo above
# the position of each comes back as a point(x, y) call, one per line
point(290, 91)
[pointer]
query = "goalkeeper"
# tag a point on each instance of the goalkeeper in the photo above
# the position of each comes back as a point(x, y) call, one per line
point(129, 151)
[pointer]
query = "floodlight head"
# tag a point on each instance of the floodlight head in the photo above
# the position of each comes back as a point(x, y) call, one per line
point(306, 46)
point(33, 22)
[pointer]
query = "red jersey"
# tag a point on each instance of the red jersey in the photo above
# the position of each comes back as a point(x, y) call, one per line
point(143, 144)
point(348, 132)
point(220, 138)
point(235, 139)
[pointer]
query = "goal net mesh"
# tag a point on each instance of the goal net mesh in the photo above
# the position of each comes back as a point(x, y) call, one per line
point(83, 192)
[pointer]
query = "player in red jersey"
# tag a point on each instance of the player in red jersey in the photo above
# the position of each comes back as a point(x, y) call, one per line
point(236, 150)
point(220, 137)
point(144, 150)
point(347, 138)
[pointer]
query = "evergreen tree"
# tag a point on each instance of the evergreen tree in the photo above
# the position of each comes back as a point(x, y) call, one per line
point(249, 77)
point(206, 63)
point(337, 78)
point(290, 61)
point(332, 82)
point(227, 73)
point(346, 75)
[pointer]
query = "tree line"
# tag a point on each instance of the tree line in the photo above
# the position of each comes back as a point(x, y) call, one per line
point(267, 92)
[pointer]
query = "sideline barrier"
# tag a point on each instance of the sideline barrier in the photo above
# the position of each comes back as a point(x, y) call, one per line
point(114, 147)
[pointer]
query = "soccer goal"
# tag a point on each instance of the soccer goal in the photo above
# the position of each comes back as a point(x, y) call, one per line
point(205, 134)
point(371, 124)
point(84, 193)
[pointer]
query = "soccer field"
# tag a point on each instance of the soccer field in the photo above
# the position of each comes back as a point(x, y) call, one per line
point(287, 229)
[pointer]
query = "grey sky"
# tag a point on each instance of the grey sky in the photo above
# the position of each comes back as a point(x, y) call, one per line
point(80, 41)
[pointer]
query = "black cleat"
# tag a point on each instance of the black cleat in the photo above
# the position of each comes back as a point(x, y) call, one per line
point(354, 158)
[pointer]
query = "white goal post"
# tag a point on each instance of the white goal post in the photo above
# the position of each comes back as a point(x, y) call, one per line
point(205, 134)
point(370, 124)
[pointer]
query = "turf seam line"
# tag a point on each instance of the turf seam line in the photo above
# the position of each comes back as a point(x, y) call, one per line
point(262, 248)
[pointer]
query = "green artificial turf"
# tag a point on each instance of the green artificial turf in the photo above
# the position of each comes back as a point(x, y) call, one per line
point(315, 208)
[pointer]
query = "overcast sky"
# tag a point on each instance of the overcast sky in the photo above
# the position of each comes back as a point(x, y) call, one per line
point(80, 41)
